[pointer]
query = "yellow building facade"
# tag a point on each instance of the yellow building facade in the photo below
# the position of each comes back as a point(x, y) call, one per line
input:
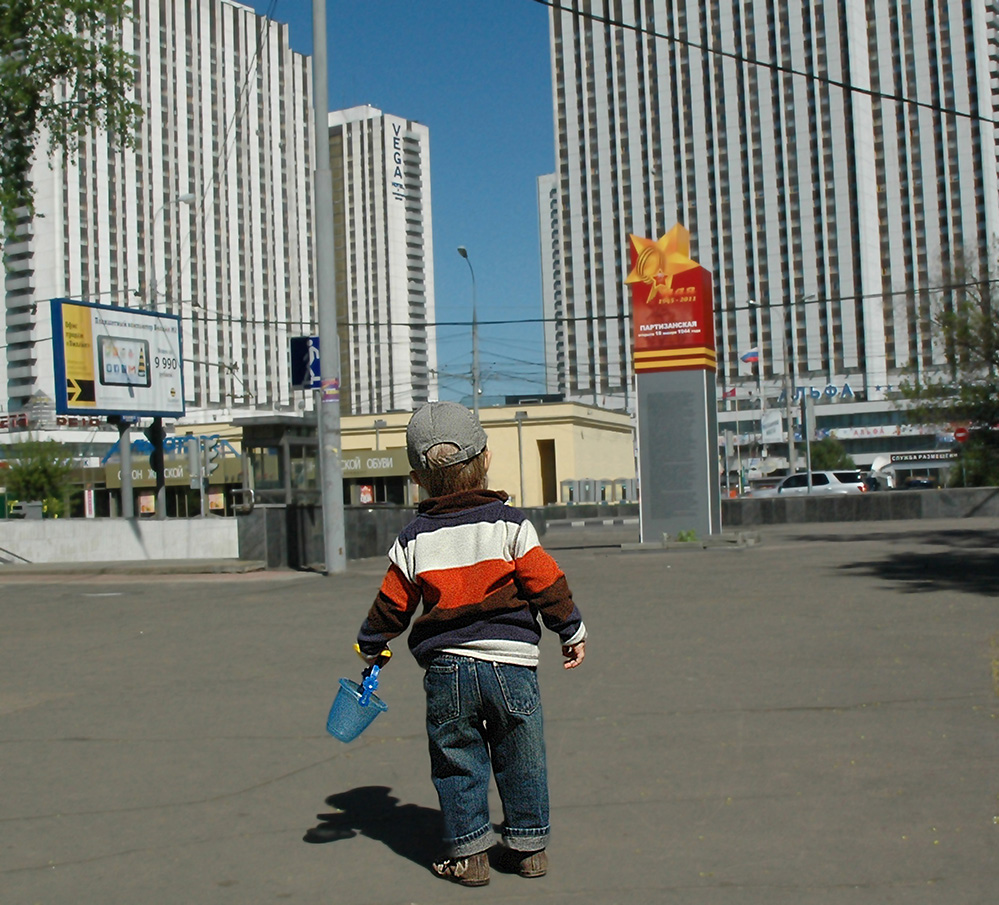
point(566, 452)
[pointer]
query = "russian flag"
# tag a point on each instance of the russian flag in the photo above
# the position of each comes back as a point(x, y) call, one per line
point(751, 355)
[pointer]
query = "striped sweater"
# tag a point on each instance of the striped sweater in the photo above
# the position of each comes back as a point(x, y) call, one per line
point(483, 579)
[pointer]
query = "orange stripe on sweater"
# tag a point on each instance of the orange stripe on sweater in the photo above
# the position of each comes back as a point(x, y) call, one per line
point(452, 588)
point(537, 570)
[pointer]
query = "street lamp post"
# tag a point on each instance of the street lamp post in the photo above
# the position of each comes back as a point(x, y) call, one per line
point(790, 373)
point(379, 424)
point(791, 369)
point(476, 389)
point(186, 198)
point(792, 465)
point(758, 345)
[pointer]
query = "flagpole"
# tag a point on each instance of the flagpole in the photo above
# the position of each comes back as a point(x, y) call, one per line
point(763, 402)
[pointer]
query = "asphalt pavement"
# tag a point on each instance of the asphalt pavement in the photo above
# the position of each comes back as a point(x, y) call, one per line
point(810, 718)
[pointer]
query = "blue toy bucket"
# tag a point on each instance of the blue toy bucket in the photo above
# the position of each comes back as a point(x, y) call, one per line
point(348, 716)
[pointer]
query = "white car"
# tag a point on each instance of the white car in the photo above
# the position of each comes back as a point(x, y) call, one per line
point(823, 482)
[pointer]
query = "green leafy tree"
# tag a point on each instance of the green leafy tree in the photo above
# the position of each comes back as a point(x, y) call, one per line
point(829, 454)
point(38, 470)
point(63, 70)
point(966, 391)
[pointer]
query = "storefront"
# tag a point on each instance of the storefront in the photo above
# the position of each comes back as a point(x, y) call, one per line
point(372, 476)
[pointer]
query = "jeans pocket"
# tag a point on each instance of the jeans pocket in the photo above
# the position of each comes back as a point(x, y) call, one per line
point(440, 682)
point(519, 685)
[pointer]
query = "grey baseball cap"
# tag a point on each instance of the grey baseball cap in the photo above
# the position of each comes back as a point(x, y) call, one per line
point(443, 422)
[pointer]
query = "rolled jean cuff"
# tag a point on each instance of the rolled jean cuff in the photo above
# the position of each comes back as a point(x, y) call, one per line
point(471, 843)
point(531, 840)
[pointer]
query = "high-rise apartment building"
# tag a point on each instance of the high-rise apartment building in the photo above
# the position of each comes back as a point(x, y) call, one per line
point(834, 163)
point(552, 298)
point(208, 217)
point(383, 231)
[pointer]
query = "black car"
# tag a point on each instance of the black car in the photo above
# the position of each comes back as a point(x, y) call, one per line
point(920, 483)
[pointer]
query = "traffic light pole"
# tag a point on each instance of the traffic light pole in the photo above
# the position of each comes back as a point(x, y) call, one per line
point(156, 436)
point(212, 450)
point(331, 464)
point(196, 468)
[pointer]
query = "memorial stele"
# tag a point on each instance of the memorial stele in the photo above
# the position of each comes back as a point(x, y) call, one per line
point(674, 362)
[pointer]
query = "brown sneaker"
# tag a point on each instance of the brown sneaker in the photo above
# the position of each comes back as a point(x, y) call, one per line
point(534, 865)
point(527, 864)
point(470, 871)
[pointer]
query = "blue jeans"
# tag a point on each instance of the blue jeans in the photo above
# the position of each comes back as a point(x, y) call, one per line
point(481, 714)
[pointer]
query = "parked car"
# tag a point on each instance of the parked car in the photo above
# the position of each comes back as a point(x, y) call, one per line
point(823, 482)
point(919, 483)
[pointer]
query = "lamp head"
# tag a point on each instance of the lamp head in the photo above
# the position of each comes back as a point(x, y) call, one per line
point(463, 251)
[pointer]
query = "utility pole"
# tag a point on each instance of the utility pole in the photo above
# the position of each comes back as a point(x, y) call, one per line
point(330, 461)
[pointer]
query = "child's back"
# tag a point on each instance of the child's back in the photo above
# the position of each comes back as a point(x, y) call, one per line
point(478, 569)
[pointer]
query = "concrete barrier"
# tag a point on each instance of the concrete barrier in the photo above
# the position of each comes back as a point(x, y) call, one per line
point(955, 502)
point(286, 537)
point(291, 537)
point(116, 540)
point(571, 511)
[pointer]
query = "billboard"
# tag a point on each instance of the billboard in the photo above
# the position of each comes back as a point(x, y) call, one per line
point(671, 305)
point(116, 361)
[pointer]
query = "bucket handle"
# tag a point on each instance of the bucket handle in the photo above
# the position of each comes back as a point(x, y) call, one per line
point(369, 678)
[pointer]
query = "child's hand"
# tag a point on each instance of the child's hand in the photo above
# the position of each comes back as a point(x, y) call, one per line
point(378, 660)
point(573, 655)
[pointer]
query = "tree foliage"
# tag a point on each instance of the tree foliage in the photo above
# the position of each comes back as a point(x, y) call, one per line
point(829, 454)
point(63, 70)
point(38, 470)
point(965, 392)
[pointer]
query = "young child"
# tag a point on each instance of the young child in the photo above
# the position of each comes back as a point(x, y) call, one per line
point(483, 579)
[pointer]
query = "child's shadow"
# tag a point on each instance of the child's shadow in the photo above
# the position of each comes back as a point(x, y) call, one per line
point(411, 831)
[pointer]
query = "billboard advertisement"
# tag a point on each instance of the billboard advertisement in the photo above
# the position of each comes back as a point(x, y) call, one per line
point(672, 305)
point(116, 361)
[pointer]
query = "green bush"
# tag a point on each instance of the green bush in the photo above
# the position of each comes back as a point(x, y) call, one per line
point(38, 470)
point(829, 454)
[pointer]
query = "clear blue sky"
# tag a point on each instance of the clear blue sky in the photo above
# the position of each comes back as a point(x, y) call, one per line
point(478, 74)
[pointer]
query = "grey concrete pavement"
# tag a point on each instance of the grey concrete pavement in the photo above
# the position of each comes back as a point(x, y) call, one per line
point(812, 719)
point(132, 567)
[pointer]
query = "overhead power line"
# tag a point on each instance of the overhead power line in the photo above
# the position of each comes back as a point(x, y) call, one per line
point(200, 315)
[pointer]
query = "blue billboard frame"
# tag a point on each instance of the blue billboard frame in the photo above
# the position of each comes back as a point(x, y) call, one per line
point(151, 387)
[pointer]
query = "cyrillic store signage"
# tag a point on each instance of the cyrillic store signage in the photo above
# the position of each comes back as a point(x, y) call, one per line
point(369, 463)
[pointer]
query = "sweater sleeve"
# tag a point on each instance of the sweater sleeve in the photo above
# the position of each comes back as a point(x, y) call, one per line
point(391, 612)
point(543, 585)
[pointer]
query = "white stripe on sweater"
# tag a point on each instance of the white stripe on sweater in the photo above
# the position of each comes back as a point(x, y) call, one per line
point(462, 546)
